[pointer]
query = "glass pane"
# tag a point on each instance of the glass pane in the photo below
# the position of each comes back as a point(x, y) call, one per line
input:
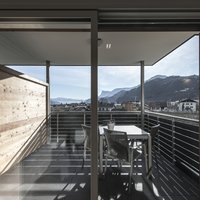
point(171, 101)
point(42, 160)
point(179, 71)
point(38, 72)
point(70, 108)
point(119, 108)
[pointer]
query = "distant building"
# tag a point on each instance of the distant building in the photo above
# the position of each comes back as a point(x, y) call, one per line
point(172, 103)
point(158, 106)
point(131, 106)
point(105, 106)
point(58, 108)
point(172, 106)
point(118, 106)
point(187, 105)
point(81, 108)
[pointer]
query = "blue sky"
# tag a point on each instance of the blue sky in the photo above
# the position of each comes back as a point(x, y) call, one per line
point(74, 82)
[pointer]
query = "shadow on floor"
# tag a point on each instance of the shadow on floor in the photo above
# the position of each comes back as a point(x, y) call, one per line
point(54, 172)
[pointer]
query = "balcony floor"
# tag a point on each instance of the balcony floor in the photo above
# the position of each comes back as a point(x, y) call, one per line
point(54, 172)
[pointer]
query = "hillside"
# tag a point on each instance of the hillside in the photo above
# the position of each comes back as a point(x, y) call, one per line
point(162, 89)
point(157, 89)
point(113, 92)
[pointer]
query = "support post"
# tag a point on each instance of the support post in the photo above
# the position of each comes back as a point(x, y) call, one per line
point(48, 89)
point(94, 107)
point(48, 101)
point(57, 127)
point(142, 93)
point(84, 118)
point(199, 110)
point(173, 140)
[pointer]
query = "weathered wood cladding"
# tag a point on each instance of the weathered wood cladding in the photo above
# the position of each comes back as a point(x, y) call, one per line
point(22, 116)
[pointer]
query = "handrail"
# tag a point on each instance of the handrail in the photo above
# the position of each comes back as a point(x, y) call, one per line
point(172, 116)
point(39, 126)
point(132, 112)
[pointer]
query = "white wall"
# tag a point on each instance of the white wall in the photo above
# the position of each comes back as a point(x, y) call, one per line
point(190, 105)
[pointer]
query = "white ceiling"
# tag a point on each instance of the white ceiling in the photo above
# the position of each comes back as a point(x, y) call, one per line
point(73, 48)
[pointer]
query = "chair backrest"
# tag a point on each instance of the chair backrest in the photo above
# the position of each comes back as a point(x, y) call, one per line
point(86, 131)
point(117, 144)
point(106, 122)
point(154, 132)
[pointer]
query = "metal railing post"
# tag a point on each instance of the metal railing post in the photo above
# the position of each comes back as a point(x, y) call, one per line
point(110, 115)
point(84, 118)
point(158, 122)
point(173, 140)
point(57, 127)
point(137, 119)
point(49, 128)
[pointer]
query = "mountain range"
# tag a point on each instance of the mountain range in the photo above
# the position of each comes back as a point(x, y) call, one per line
point(159, 88)
point(113, 92)
point(162, 89)
point(62, 100)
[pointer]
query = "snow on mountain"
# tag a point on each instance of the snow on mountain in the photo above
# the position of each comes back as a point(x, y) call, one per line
point(113, 92)
point(62, 100)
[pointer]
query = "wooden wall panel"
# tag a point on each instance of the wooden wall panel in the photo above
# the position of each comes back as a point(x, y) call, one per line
point(22, 116)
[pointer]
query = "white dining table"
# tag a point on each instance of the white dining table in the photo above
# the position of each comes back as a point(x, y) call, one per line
point(133, 132)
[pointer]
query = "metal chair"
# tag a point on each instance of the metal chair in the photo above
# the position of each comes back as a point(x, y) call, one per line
point(118, 148)
point(86, 142)
point(154, 132)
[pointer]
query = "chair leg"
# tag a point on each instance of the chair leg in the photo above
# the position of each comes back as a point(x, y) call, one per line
point(157, 166)
point(83, 162)
point(156, 159)
point(145, 158)
point(106, 162)
point(111, 162)
point(130, 175)
point(84, 154)
point(131, 169)
point(118, 163)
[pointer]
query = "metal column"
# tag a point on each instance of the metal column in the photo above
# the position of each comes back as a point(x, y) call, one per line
point(48, 88)
point(142, 93)
point(48, 101)
point(94, 107)
point(199, 110)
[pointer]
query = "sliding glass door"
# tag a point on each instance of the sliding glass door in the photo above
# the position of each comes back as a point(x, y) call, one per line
point(66, 42)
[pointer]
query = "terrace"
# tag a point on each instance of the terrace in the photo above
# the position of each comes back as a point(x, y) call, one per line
point(178, 138)
point(55, 171)
point(41, 152)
